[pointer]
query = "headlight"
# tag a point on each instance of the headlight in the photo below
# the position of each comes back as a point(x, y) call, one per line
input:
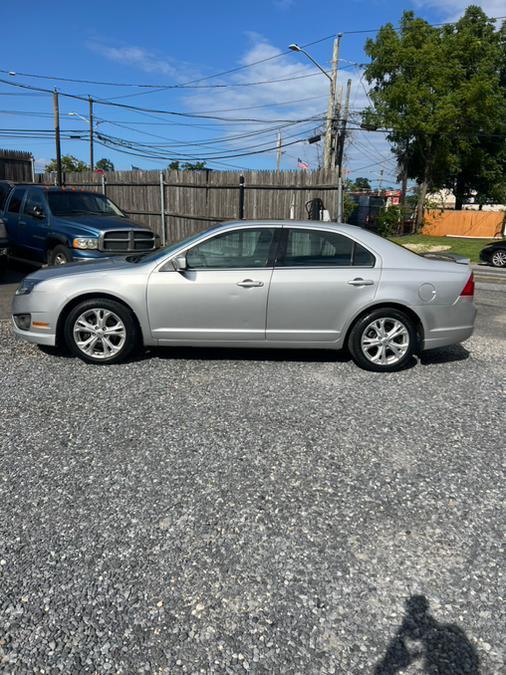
point(27, 286)
point(82, 242)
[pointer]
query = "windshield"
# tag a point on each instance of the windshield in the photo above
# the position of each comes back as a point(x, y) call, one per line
point(162, 252)
point(69, 203)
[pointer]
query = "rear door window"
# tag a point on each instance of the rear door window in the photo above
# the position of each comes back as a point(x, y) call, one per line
point(318, 248)
point(15, 200)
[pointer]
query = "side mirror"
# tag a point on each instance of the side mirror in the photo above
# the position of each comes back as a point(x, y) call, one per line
point(37, 212)
point(179, 263)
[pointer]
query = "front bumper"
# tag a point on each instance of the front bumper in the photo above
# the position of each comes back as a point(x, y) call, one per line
point(34, 304)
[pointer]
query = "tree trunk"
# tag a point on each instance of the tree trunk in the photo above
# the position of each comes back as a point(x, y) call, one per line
point(422, 193)
point(459, 193)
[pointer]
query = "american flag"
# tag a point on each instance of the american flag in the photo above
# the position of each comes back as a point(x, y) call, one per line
point(301, 164)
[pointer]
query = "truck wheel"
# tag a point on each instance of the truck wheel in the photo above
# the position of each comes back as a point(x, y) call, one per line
point(101, 331)
point(59, 255)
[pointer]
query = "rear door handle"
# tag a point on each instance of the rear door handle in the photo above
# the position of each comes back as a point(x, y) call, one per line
point(249, 283)
point(361, 282)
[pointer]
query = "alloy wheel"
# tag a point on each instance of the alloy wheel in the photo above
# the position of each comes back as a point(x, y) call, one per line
point(385, 341)
point(60, 259)
point(99, 333)
point(499, 258)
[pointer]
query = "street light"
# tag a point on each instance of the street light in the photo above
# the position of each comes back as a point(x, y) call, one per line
point(74, 114)
point(295, 48)
point(90, 122)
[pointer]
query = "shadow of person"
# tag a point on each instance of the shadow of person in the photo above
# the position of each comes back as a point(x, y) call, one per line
point(440, 649)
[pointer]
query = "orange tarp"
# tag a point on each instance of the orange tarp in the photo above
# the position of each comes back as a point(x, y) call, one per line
point(463, 223)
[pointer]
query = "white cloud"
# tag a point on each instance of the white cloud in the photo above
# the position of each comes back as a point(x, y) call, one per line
point(267, 102)
point(453, 9)
point(284, 4)
point(138, 57)
point(40, 164)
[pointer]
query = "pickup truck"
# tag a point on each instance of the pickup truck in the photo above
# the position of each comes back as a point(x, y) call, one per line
point(54, 226)
point(5, 188)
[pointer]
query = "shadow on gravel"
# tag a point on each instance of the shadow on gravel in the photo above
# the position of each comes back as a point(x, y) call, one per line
point(441, 648)
point(248, 354)
point(444, 355)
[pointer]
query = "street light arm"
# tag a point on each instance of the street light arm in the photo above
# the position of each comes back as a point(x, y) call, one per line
point(315, 62)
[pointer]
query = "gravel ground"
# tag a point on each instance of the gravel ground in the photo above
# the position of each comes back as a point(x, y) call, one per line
point(228, 512)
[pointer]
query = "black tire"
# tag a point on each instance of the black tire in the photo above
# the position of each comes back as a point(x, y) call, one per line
point(407, 339)
point(125, 344)
point(59, 255)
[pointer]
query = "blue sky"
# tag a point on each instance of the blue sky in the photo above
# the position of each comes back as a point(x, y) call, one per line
point(167, 43)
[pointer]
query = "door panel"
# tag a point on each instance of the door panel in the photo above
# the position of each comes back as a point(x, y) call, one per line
point(313, 305)
point(208, 305)
point(321, 279)
point(15, 230)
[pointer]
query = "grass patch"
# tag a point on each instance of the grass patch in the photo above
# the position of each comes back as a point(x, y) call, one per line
point(470, 248)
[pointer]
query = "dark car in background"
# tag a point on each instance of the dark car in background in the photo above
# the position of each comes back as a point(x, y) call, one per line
point(494, 253)
point(61, 225)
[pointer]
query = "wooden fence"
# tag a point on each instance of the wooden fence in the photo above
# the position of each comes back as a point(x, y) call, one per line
point(177, 204)
point(439, 223)
point(16, 165)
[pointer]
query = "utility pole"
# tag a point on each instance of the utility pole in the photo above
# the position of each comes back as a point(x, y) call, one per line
point(329, 148)
point(278, 162)
point(340, 153)
point(92, 163)
point(56, 109)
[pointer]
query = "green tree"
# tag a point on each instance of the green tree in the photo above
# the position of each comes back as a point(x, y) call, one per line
point(104, 164)
point(176, 165)
point(440, 91)
point(69, 164)
point(361, 183)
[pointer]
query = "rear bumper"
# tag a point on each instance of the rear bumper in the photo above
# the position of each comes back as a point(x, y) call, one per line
point(449, 325)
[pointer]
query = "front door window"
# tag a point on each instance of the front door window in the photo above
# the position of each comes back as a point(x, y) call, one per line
point(241, 249)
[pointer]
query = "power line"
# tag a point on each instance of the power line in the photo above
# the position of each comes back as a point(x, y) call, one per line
point(191, 83)
point(151, 110)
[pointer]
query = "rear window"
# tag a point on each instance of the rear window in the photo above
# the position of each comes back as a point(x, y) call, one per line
point(15, 200)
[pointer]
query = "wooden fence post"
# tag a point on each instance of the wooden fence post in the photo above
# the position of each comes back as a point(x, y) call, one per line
point(241, 197)
point(162, 209)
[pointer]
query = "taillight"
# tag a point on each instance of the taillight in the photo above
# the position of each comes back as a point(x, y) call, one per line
point(469, 287)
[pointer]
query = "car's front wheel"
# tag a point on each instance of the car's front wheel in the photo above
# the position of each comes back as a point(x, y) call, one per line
point(383, 340)
point(101, 331)
point(499, 258)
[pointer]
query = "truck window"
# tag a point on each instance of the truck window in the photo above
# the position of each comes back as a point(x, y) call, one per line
point(15, 200)
point(34, 198)
point(70, 203)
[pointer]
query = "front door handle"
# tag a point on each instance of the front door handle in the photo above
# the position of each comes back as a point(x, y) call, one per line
point(361, 282)
point(249, 283)
point(22, 222)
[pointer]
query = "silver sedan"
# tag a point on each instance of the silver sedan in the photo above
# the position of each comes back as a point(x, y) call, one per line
point(282, 284)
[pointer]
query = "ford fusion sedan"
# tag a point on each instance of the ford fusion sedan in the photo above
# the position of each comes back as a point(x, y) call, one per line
point(282, 284)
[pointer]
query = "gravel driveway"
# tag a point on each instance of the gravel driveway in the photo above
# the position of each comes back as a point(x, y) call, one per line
point(263, 512)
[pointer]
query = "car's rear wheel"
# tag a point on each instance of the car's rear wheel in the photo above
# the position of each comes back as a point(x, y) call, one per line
point(59, 255)
point(499, 258)
point(101, 331)
point(383, 340)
